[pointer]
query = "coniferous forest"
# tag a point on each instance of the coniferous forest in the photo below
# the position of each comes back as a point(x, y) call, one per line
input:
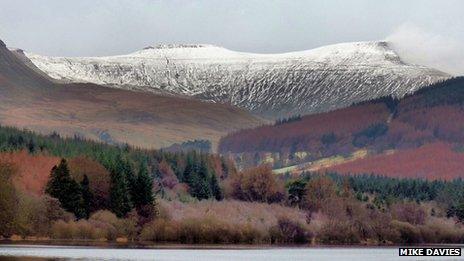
point(96, 191)
point(231, 130)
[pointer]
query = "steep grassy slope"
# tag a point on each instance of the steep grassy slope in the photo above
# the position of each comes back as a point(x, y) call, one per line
point(28, 100)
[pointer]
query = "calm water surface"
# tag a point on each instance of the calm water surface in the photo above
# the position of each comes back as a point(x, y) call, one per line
point(37, 252)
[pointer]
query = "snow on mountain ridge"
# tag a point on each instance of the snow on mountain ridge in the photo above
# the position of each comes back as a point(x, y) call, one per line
point(212, 51)
point(272, 85)
point(171, 46)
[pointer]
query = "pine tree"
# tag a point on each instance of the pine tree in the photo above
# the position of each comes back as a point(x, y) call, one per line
point(216, 190)
point(199, 181)
point(191, 167)
point(31, 146)
point(144, 187)
point(119, 190)
point(131, 178)
point(66, 189)
point(459, 211)
point(86, 196)
point(296, 191)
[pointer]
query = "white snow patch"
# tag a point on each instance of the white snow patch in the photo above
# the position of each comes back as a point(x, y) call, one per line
point(272, 85)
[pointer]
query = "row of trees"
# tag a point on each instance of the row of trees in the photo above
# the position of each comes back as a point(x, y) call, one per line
point(74, 197)
point(287, 120)
point(384, 191)
point(93, 177)
point(336, 213)
point(200, 171)
point(201, 180)
point(362, 207)
point(127, 190)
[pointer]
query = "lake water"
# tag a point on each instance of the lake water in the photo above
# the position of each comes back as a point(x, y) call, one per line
point(20, 252)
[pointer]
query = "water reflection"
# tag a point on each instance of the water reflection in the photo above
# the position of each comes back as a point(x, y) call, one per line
point(40, 253)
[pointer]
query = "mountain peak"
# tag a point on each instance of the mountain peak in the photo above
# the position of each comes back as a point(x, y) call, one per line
point(177, 46)
point(2, 44)
point(270, 85)
point(17, 50)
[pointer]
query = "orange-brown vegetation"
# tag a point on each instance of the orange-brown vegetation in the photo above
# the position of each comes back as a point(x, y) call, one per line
point(329, 214)
point(418, 127)
point(443, 122)
point(409, 212)
point(99, 177)
point(227, 222)
point(431, 161)
point(255, 184)
point(346, 221)
point(168, 177)
point(305, 134)
point(32, 170)
point(102, 225)
point(319, 192)
point(259, 215)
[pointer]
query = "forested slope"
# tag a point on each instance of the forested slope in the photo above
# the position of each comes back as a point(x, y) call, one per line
point(432, 115)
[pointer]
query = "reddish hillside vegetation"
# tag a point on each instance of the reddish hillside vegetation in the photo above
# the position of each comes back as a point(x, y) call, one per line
point(32, 170)
point(431, 161)
point(306, 134)
point(433, 115)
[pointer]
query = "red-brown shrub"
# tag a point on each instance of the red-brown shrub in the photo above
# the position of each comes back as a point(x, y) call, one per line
point(256, 184)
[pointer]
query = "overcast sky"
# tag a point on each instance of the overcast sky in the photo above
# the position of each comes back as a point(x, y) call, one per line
point(105, 27)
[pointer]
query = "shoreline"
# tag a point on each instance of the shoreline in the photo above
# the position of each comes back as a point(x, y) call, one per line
point(167, 246)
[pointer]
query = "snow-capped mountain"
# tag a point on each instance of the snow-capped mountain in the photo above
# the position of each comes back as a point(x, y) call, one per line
point(271, 85)
point(29, 100)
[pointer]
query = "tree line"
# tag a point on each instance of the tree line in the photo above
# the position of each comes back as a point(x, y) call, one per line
point(132, 169)
point(328, 208)
point(384, 191)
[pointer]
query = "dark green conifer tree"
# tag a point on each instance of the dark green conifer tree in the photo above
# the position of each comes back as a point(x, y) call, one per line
point(144, 186)
point(66, 189)
point(199, 180)
point(126, 167)
point(215, 189)
point(459, 210)
point(87, 197)
point(119, 190)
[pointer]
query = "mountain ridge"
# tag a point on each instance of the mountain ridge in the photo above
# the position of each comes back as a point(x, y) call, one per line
point(269, 85)
point(419, 135)
point(28, 99)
